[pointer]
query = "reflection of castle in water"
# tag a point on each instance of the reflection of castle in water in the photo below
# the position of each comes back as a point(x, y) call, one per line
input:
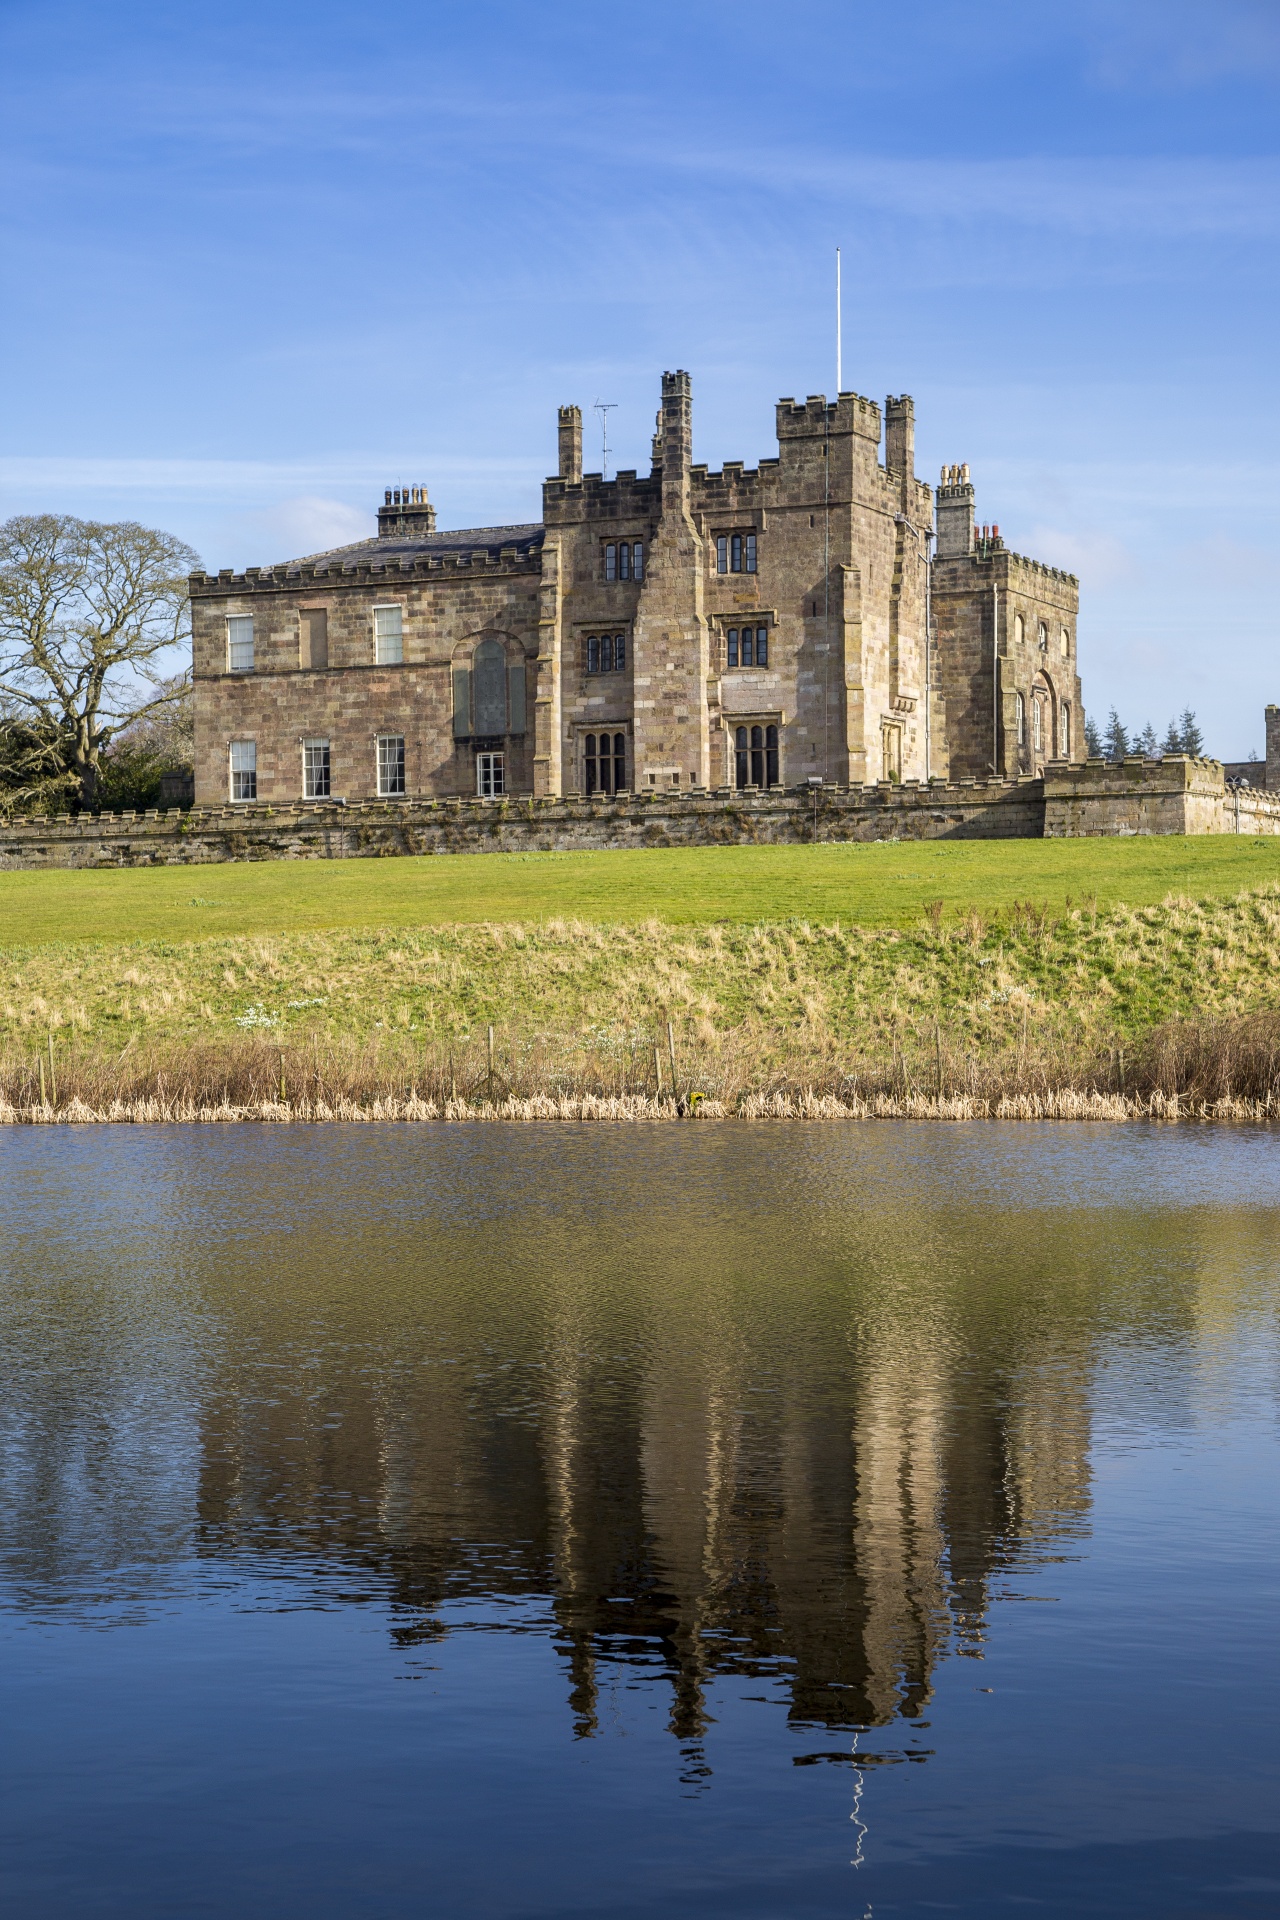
point(696, 1497)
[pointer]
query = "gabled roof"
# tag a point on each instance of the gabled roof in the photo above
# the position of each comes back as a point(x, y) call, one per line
point(428, 546)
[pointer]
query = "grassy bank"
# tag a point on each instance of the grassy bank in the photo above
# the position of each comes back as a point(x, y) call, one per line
point(1015, 1009)
point(884, 885)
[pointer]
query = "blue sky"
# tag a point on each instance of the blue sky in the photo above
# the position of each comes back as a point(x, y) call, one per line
point(263, 260)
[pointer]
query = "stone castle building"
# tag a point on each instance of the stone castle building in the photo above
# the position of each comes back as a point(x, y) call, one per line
point(682, 630)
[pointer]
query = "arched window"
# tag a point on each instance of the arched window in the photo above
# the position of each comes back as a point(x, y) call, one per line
point(606, 652)
point(605, 762)
point(1064, 732)
point(489, 687)
point(757, 756)
point(742, 757)
point(1066, 643)
point(1019, 629)
point(1037, 725)
point(1043, 637)
point(1022, 721)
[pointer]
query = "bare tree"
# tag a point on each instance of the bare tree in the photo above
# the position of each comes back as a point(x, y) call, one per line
point(86, 609)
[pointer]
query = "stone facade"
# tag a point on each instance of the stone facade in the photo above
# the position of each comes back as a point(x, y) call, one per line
point(680, 631)
point(1005, 647)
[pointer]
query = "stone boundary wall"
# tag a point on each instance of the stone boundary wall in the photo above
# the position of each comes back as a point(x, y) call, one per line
point(972, 811)
point(1176, 795)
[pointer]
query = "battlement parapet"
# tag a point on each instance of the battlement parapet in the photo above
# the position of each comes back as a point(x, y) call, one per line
point(1041, 567)
point(324, 830)
point(343, 568)
point(591, 497)
point(848, 413)
point(989, 552)
point(1176, 794)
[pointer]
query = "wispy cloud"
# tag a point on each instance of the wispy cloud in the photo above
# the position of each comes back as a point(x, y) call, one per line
point(1181, 44)
point(236, 479)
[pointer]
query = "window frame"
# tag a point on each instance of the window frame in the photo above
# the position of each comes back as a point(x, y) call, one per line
point(491, 763)
point(739, 641)
point(601, 646)
point(317, 769)
point(385, 740)
point(237, 773)
point(234, 665)
point(624, 560)
point(388, 606)
point(737, 552)
point(604, 762)
point(756, 748)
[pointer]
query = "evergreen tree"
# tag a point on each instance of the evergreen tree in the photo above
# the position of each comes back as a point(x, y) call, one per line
point(1172, 739)
point(1192, 738)
point(1116, 739)
point(1147, 743)
point(1092, 739)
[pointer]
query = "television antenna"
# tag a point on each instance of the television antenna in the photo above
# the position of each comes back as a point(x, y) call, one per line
point(839, 367)
point(604, 408)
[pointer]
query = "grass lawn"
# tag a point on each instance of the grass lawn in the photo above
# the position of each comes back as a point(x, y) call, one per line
point(870, 885)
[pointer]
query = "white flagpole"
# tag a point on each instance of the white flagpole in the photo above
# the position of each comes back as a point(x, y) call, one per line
point(839, 369)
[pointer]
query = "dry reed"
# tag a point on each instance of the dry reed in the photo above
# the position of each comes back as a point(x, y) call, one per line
point(1224, 1069)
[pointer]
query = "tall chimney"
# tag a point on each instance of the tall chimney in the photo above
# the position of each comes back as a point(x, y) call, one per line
point(571, 443)
point(955, 513)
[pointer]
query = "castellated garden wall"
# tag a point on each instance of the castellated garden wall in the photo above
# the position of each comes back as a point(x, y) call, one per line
point(1176, 795)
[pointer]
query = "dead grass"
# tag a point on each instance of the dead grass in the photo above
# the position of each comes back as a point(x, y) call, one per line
point(1167, 1010)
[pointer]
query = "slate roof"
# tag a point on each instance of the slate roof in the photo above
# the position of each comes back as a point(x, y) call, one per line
point(524, 538)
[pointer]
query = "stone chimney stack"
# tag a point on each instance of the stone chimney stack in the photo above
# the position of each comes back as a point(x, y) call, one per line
point(955, 513)
point(571, 443)
point(406, 514)
point(900, 435)
point(1273, 749)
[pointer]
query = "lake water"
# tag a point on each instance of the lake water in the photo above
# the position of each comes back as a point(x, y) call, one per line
point(715, 1520)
